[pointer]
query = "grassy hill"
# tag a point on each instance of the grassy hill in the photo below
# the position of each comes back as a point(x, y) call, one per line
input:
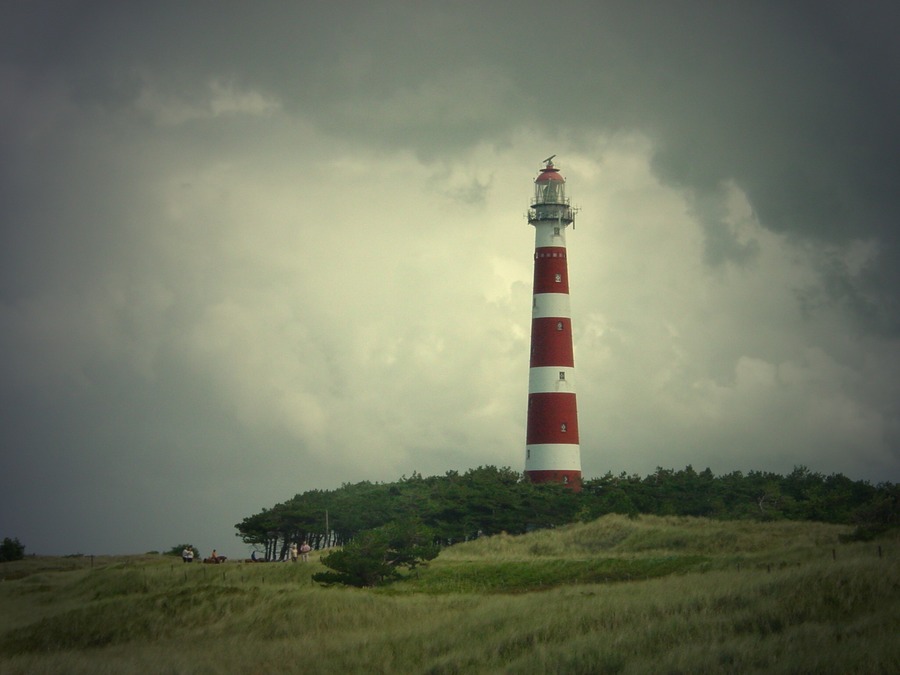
point(647, 594)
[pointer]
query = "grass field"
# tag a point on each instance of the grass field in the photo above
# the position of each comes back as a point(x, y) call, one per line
point(617, 595)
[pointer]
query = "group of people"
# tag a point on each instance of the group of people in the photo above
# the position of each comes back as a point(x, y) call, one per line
point(187, 555)
point(295, 552)
point(303, 552)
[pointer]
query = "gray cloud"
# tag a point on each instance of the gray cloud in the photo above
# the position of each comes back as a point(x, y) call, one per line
point(252, 250)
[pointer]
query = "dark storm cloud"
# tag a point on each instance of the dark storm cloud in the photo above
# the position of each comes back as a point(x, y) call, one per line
point(795, 102)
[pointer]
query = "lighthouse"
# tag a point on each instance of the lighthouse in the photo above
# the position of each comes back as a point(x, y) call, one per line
point(552, 452)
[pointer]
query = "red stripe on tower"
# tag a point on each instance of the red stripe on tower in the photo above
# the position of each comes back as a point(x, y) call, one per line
point(551, 342)
point(552, 451)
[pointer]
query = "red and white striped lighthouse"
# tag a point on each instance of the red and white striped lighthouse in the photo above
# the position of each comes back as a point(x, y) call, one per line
point(552, 453)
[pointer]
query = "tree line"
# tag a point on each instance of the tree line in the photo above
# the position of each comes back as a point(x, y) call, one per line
point(488, 500)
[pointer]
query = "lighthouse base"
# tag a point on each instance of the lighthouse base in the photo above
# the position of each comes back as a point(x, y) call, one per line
point(571, 479)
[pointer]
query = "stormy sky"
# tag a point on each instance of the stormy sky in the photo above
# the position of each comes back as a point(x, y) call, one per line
point(252, 249)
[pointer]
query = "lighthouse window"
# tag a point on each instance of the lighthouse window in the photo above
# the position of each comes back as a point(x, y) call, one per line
point(558, 278)
point(556, 231)
point(559, 325)
point(527, 453)
point(562, 427)
point(562, 374)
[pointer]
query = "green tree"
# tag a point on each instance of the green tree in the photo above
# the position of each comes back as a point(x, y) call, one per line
point(11, 549)
point(377, 556)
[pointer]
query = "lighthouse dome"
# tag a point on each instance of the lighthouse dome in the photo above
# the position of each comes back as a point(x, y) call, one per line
point(549, 187)
point(549, 174)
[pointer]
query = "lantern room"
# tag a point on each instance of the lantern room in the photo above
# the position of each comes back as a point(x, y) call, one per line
point(550, 203)
point(549, 187)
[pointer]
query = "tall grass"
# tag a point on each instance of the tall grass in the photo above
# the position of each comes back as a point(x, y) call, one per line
point(714, 597)
point(623, 536)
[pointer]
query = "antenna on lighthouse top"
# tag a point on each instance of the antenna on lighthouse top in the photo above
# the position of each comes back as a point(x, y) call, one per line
point(549, 161)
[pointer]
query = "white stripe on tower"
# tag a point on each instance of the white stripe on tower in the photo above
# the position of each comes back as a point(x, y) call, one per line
point(552, 451)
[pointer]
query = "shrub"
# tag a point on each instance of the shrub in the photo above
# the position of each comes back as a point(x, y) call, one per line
point(881, 514)
point(11, 549)
point(377, 556)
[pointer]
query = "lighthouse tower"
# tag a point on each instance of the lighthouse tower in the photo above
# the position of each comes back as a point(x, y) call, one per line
point(552, 452)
